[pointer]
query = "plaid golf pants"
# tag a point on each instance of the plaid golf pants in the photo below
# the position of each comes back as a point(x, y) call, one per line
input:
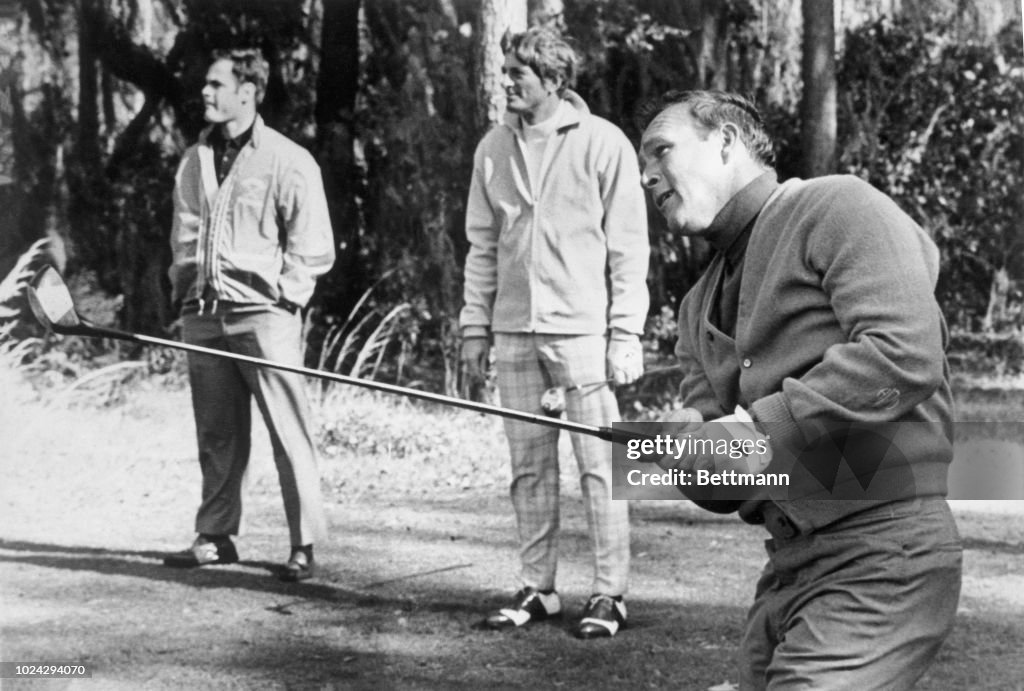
point(528, 365)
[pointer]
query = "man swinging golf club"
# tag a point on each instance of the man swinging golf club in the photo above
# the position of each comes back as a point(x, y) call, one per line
point(251, 234)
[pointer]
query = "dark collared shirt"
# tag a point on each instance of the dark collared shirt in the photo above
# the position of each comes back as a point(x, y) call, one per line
point(729, 234)
point(225, 151)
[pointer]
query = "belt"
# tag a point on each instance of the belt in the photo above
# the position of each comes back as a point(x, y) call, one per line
point(217, 306)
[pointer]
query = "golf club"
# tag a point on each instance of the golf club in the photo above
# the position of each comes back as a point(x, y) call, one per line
point(553, 400)
point(54, 308)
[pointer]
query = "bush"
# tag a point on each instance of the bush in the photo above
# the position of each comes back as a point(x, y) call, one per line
point(938, 126)
point(987, 353)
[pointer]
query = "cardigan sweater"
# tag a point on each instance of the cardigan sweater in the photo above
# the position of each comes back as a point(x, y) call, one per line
point(837, 324)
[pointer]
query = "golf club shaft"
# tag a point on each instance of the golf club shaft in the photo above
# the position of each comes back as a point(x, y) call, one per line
point(611, 380)
point(606, 433)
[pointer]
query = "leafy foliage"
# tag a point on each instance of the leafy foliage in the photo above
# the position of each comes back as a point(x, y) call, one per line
point(938, 126)
point(413, 122)
point(931, 118)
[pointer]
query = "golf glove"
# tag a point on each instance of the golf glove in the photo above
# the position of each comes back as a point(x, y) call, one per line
point(731, 442)
point(625, 358)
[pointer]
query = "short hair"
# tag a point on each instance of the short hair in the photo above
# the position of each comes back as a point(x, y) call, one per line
point(710, 110)
point(546, 53)
point(248, 65)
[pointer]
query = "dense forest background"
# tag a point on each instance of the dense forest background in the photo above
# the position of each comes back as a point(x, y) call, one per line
point(99, 98)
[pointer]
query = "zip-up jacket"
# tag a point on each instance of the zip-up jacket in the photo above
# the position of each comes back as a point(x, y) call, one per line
point(261, 237)
point(566, 254)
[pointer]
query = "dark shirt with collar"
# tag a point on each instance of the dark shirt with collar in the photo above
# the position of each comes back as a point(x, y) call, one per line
point(225, 150)
point(729, 234)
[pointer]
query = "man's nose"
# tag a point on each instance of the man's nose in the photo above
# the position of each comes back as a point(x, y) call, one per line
point(648, 178)
point(506, 81)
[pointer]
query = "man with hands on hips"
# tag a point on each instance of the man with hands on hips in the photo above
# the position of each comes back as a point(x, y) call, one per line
point(556, 274)
point(815, 331)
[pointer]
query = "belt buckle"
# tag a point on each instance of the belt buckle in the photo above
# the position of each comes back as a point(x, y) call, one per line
point(203, 303)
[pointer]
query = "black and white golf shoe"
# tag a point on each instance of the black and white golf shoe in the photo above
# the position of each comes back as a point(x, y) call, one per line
point(204, 552)
point(527, 606)
point(603, 617)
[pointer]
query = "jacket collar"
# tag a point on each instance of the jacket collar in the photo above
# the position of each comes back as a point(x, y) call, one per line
point(258, 127)
point(571, 110)
point(729, 229)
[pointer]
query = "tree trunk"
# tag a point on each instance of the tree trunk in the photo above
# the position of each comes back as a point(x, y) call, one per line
point(337, 87)
point(712, 66)
point(549, 13)
point(497, 17)
point(88, 136)
point(818, 105)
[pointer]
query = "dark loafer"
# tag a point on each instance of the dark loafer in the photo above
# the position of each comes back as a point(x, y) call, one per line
point(204, 552)
point(603, 616)
point(299, 567)
point(528, 605)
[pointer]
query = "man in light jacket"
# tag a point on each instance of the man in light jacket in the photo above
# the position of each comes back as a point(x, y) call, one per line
point(556, 275)
point(251, 235)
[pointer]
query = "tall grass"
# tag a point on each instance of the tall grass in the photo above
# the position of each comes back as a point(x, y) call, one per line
point(14, 351)
point(14, 283)
point(358, 345)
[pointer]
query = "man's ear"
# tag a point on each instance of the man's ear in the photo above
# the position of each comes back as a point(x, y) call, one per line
point(552, 84)
point(730, 140)
point(248, 90)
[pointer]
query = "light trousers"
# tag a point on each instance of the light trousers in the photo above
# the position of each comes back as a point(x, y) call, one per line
point(528, 365)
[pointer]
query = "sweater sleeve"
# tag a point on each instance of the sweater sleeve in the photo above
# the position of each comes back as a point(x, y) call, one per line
point(185, 226)
point(878, 270)
point(481, 272)
point(625, 227)
point(308, 237)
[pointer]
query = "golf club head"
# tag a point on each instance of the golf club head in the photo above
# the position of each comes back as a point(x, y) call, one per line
point(51, 302)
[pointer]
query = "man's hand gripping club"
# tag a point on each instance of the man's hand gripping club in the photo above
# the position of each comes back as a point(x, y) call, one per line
point(729, 443)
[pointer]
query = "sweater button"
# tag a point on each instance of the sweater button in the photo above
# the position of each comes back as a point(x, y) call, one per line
point(746, 362)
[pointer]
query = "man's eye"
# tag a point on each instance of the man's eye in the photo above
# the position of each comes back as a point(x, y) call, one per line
point(661, 150)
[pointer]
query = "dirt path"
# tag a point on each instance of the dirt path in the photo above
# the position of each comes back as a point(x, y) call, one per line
point(405, 579)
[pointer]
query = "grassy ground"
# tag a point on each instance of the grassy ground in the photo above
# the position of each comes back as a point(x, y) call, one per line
point(421, 545)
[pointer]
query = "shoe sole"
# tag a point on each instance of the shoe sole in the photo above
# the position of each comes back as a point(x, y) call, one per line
point(507, 624)
point(597, 632)
point(187, 559)
point(193, 564)
point(292, 576)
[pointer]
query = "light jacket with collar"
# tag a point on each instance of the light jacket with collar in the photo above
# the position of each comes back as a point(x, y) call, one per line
point(262, 236)
point(566, 254)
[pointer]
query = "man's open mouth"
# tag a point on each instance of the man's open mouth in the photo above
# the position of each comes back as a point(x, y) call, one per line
point(662, 198)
